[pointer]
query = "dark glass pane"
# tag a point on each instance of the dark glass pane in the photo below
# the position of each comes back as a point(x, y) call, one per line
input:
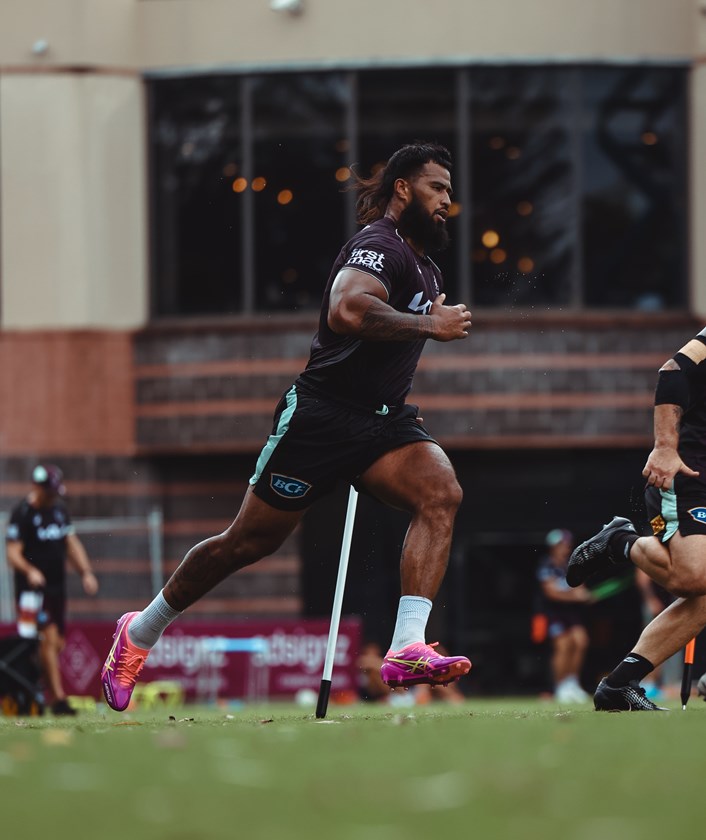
point(300, 149)
point(523, 217)
point(577, 187)
point(196, 156)
point(396, 107)
point(634, 197)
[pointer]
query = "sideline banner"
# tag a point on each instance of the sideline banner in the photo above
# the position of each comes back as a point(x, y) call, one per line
point(253, 660)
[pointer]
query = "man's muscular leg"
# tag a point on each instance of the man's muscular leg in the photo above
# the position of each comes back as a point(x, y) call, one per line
point(677, 566)
point(257, 531)
point(670, 631)
point(419, 478)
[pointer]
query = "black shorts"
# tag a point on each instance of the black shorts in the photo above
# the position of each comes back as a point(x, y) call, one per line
point(682, 508)
point(561, 620)
point(53, 612)
point(317, 441)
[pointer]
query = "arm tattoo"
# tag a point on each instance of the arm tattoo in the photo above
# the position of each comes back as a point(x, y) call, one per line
point(382, 323)
point(677, 414)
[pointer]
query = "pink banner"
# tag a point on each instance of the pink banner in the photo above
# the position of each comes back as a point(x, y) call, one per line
point(252, 660)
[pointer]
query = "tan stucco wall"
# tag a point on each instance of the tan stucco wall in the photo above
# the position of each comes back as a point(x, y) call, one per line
point(72, 186)
point(227, 31)
point(158, 33)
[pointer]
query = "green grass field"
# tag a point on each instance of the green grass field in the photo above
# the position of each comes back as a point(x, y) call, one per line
point(517, 768)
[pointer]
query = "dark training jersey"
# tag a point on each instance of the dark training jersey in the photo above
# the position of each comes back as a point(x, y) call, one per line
point(374, 374)
point(42, 533)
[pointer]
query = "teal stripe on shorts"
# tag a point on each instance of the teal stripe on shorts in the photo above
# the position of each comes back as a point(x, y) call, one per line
point(274, 439)
point(669, 513)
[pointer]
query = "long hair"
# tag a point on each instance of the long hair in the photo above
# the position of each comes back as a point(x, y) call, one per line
point(374, 193)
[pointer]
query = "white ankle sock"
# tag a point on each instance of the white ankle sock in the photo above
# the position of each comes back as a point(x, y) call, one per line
point(146, 628)
point(412, 616)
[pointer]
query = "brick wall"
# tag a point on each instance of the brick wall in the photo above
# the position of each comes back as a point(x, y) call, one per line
point(69, 392)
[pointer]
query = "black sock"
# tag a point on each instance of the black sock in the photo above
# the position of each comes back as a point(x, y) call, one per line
point(621, 543)
point(633, 667)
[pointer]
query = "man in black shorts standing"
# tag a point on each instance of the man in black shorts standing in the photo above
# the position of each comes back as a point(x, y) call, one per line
point(674, 556)
point(345, 419)
point(40, 539)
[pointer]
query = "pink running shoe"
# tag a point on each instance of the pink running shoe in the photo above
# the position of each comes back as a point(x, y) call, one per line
point(122, 667)
point(420, 663)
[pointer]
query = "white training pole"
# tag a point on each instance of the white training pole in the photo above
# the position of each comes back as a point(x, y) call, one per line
point(325, 688)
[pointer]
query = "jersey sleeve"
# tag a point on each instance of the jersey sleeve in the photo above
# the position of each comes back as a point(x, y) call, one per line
point(379, 256)
point(14, 532)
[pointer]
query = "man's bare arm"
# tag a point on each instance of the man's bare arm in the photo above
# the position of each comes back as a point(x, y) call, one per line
point(358, 306)
point(78, 558)
point(664, 462)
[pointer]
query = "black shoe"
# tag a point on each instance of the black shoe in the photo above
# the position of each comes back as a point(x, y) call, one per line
point(61, 707)
point(595, 554)
point(627, 698)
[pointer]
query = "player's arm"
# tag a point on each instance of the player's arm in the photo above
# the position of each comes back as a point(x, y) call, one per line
point(358, 307)
point(78, 559)
point(672, 397)
point(554, 592)
point(16, 559)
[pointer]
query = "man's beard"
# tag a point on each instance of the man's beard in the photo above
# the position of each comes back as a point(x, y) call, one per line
point(424, 230)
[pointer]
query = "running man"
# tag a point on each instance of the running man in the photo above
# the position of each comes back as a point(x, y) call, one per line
point(676, 505)
point(345, 419)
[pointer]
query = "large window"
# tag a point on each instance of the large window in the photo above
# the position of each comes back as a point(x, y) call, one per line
point(298, 152)
point(570, 183)
point(524, 189)
point(196, 154)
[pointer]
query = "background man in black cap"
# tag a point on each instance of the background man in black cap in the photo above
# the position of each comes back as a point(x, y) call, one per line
point(565, 613)
point(40, 539)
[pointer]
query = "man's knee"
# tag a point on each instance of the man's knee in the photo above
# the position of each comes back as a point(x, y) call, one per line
point(445, 493)
point(455, 494)
point(237, 548)
point(686, 570)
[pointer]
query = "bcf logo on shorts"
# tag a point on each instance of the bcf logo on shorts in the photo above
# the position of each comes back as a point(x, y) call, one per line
point(699, 514)
point(290, 488)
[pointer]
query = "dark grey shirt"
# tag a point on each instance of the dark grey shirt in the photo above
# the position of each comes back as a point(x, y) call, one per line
point(374, 373)
point(42, 532)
